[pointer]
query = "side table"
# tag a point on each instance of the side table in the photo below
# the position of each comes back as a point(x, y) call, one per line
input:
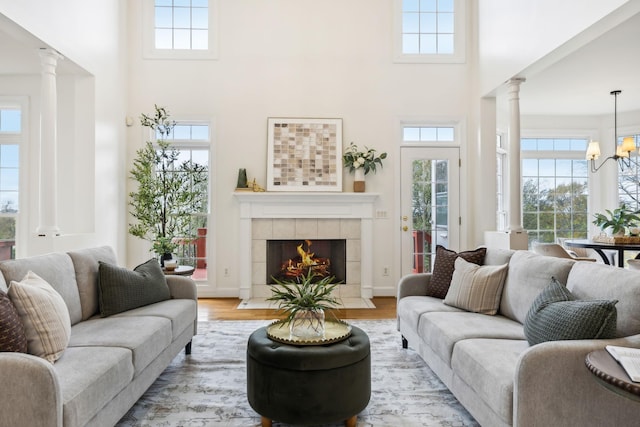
point(611, 375)
point(181, 270)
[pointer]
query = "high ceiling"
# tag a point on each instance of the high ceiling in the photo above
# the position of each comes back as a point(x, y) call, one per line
point(581, 82)
point(577, 84)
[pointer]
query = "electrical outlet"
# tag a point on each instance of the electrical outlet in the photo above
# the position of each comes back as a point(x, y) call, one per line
point(226, 272)
point(385, 271)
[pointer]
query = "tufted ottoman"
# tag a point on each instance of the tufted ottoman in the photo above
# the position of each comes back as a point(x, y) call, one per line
point(308, 384)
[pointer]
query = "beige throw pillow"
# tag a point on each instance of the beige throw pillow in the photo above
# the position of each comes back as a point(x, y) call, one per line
point(476, 288)
point(44, 315)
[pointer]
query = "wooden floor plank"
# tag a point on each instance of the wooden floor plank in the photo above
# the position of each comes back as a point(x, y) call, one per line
point(226, 309)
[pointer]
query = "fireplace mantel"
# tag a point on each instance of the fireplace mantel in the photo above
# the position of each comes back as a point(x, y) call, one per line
point(309, 205)
point(305, 205)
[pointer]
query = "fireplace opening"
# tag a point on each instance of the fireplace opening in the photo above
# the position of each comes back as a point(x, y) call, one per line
point(290, 259)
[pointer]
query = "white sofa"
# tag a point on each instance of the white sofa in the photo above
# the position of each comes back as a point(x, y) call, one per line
point(488, 364)
point(109, 362)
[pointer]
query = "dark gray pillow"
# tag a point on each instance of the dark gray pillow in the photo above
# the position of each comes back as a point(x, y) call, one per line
point(557, 315)
point(122, 289)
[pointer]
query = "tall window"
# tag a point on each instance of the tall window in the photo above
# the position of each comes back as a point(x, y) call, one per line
point(193, 141)
point(10, 135)
point(181, 24)
point(629, 179)
point(555, 188)
point(180, 29)
point(430, 30)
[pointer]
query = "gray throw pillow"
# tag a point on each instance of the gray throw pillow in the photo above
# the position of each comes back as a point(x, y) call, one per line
point(121, 289)
point(557, 315)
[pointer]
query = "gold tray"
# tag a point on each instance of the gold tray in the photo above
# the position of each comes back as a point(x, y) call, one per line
point(334, 331)
point(617, 240)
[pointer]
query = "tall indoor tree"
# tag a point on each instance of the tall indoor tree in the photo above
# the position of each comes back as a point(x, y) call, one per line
point(169, 191)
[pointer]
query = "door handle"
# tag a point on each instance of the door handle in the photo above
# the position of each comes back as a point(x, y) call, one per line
point(405, 228)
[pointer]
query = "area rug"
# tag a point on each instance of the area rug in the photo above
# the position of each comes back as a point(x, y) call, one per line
point(208, 388)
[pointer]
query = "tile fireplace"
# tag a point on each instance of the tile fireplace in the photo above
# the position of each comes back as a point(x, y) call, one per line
point(301, 217)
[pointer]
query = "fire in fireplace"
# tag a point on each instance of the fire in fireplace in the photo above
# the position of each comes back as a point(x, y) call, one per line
point(290, 259)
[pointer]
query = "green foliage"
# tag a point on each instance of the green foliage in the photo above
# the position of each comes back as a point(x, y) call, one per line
point(306, 293)
point(169, 191)
point(354, 158)
point(619, 220)
point(548, 214)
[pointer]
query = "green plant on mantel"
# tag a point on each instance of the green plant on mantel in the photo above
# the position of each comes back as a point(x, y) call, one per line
point(169, 191)
point(618, 221)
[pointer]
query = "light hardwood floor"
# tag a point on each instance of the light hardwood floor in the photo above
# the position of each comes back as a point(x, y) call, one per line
point(225, 309)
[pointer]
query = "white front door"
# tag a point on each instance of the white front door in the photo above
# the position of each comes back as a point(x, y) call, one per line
point(430, 204)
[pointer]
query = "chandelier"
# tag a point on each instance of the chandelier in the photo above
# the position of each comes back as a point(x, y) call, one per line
point(622, 152)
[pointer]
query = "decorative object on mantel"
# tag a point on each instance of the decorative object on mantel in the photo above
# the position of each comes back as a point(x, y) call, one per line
point(303, 154)
point(242, 185)
point(304, 300)
point(621, 219)
point(255, 187)
point(622, 152)
point(361, 163)
point(164, 201)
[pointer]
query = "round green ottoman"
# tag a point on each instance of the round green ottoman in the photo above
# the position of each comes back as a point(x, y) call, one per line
point(311, 384)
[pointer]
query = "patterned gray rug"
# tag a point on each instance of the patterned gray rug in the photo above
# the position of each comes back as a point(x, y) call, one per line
point(208, 388)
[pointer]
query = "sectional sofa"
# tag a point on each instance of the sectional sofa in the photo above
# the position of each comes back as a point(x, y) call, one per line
point(109, 361)
point(487, 362)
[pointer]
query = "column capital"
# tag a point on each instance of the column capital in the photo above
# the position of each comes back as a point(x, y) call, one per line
point(49, 57)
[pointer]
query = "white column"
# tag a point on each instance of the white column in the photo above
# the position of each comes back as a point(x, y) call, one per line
point(515, 184)
point(48, 209)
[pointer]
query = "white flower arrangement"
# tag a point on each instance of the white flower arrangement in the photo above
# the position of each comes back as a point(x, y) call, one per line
point(354, 159)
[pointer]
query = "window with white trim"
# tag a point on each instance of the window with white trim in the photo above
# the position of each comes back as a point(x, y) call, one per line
point(429, 30)
point(428, 134)
point(193, 141)
point(629, 177)
point(555, 188)
point(181, 29)
point(10, 139)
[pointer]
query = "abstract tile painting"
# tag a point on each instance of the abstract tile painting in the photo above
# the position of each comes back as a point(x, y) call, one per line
point(305, 155)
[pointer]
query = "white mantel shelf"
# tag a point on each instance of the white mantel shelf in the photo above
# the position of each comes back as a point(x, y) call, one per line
point(305, 204)
point(321, 205)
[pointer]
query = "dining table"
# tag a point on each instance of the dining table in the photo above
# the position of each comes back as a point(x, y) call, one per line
point(600, 247)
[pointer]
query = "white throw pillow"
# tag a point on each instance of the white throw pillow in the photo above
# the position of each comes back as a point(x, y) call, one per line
point(476, 288)
point(44, 315)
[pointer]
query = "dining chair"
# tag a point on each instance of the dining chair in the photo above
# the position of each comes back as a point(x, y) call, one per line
point(556, 250)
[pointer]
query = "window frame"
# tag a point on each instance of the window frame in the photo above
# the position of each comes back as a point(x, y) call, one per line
point(557, 154)
point(20, 139)
point(459, 38)
point(148, 36)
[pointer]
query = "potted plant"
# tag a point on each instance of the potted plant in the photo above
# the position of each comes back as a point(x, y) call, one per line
point(169, 191)
point(361, 162)
point(618, 221)
point(304, 301)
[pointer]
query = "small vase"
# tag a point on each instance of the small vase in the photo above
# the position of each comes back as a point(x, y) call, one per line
point(307, 324)
point(358, 181)
point(165, 257)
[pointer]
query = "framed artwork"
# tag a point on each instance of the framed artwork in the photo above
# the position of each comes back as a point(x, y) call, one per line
point(304, 154)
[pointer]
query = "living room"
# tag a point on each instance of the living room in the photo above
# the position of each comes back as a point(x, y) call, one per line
point(303, 59)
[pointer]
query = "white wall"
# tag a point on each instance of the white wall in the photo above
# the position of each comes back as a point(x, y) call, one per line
point(91, 120)
point(515, 34)
point(296, 58)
